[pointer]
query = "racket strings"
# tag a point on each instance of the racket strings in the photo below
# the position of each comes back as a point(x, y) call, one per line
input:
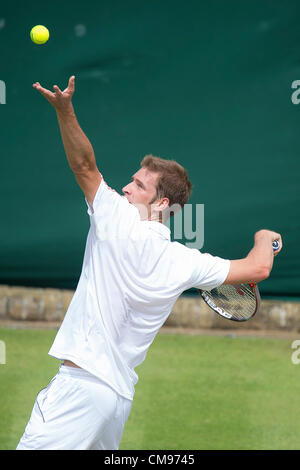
point(238, 301)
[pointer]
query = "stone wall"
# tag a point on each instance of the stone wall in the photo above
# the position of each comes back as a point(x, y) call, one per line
point(192, 312)
point(50, 305)
point(33, 304)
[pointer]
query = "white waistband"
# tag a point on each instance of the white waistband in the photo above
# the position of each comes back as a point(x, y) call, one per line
point(78, 373)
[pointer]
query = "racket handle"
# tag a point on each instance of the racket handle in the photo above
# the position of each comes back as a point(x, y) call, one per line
point(275, 245)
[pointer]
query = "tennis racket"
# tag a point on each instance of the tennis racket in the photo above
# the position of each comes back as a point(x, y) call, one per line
point(238, 302)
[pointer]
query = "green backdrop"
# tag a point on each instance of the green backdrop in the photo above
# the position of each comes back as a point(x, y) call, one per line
point(205, 83)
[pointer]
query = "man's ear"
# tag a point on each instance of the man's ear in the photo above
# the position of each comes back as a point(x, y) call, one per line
point(162, 204)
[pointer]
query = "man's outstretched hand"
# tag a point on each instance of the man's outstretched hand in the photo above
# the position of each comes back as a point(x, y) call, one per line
point(61, 100)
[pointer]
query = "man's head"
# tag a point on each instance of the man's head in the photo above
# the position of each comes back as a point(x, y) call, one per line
point(159, 189)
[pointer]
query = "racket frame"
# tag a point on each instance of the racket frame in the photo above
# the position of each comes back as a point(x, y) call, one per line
point(220, 311)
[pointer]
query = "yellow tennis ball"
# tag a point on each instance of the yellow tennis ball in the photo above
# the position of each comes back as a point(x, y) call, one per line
point(39, 34)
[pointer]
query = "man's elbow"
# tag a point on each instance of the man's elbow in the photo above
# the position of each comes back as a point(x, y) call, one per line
point(263, 273)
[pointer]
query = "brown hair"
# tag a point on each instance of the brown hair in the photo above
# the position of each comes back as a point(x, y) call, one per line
point(173, 181)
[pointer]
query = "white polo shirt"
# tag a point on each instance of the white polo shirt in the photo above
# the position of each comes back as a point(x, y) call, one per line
point(132, 274)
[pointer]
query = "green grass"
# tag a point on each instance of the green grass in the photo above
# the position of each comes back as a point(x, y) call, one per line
point(194, 392)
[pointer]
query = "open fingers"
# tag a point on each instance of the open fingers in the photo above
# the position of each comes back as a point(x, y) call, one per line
point(46, 93)
point(71, 85)
point(57, 90)
point(57, 96)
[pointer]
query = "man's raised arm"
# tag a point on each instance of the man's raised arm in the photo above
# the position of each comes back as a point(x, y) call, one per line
point(79, 151)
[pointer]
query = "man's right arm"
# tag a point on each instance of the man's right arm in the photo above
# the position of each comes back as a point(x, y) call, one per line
point(80, 154)
point(79, 151)
point(258, 263)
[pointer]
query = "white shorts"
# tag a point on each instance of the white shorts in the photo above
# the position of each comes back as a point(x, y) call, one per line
point(76, 411)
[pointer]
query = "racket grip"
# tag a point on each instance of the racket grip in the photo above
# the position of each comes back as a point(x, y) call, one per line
point(275, 245)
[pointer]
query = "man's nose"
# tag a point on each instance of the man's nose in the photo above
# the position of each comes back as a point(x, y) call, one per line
point(125, 189)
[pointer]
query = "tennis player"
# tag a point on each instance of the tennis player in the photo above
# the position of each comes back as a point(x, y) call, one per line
point(132, 274)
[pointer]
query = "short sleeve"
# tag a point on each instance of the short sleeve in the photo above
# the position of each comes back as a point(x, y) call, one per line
point(104, 193)
point(207, 271)
point(111, 214)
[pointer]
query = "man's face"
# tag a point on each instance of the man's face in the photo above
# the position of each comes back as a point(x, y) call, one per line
point(142, 189)
point(141, 192)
